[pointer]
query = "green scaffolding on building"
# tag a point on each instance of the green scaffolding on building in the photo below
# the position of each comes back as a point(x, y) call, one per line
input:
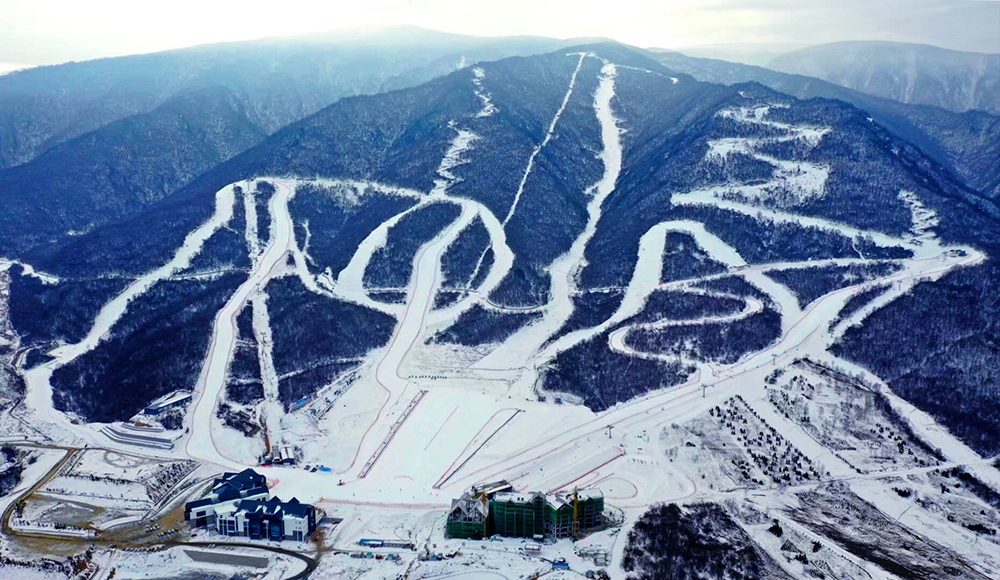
point(468, 518)
point(525, 515)
point(518, 515)
point(590, 510)
point(465, 530)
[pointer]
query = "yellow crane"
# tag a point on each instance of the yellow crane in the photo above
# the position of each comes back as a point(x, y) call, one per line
point(482, 496)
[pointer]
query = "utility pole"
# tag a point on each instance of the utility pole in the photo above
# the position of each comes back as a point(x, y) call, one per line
point(610, 427)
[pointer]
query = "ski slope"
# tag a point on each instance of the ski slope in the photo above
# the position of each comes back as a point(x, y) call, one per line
point(421, 424)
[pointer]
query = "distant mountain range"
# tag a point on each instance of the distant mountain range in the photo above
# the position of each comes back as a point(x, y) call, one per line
point(89, 143)
point(917, 74)
point(756, 53)
point(278, 80)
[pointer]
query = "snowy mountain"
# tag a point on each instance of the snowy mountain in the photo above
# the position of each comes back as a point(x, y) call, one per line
point(578, 269)
point(278, 81)
point(909, 73)
point(967, 143)
point(685, 158)
point(91, 143)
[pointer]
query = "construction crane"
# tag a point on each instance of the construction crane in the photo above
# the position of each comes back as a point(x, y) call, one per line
point(485, 500)
point(576, 513)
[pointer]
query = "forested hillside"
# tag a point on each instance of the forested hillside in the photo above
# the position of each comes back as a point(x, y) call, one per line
point(277, 81)
point(968, 143)
point(749, 175)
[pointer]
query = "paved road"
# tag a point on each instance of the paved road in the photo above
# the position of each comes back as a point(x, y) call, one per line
point(309, 562)
point(7, 513)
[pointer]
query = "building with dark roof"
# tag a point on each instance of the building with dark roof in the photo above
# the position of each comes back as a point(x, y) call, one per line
point(270, 519)
point(239, 483)
point(237, 504)
point(223, 495)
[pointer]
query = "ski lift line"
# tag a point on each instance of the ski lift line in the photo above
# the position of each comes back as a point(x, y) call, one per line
point(392, 433)
point(618, 455)
point(531, 161)
point(545, 141)
point(441, 428)
point(443, 481)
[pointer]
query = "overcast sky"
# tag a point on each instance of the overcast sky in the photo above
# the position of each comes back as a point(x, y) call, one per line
point(51, 31)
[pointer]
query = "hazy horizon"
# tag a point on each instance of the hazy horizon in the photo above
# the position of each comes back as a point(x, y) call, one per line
point(53, 31)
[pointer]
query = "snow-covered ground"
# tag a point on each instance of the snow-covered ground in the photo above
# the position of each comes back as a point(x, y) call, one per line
point(419, 423)
point(273, 411)
point(176, 563)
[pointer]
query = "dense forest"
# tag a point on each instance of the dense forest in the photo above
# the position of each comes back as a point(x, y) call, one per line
point(316, 337)
point(717, 342)
point(391, 265)
point(591, 309)
point(697, 542)
point(808, 284)
point(601, 377)
point(340, 217)
point(680, 305)
point(938, 346)
point(157, 347)
point(42, 313)
point(459, 261)
point(480, 325)
point(684, 259)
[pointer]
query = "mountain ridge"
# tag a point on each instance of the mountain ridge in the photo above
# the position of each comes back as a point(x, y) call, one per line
point(909, 73)
point(966, 143)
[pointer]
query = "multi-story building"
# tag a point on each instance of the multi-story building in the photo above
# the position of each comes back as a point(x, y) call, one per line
point(238, 505)
point(468, 517)
point(518, 515)
point(225, 492)
point(526, 515)
point(270, 519)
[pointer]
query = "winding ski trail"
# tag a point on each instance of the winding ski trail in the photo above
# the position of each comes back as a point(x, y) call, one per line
point(199, 442)
point(38, 398)
point(564, 271)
